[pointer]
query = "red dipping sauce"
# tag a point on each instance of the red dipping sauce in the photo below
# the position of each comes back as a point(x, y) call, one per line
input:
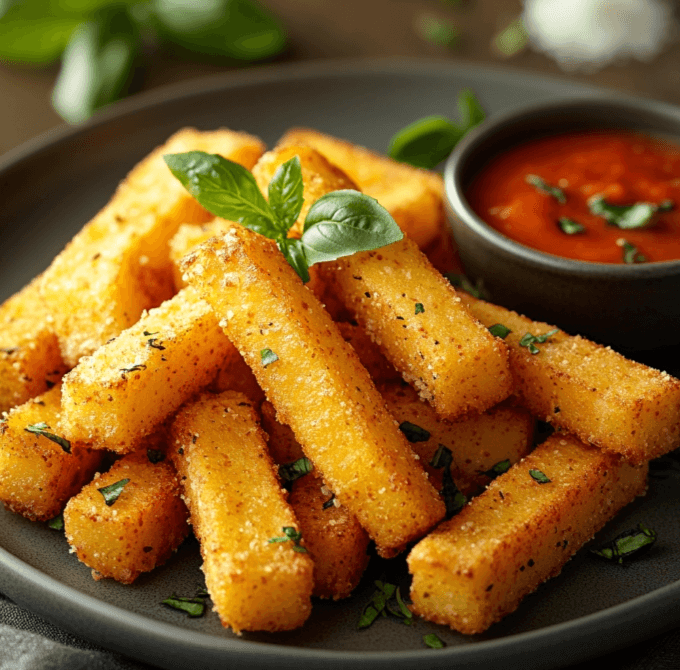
point(623, 168)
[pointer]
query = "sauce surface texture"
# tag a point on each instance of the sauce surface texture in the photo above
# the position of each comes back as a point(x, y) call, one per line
point(624, 168)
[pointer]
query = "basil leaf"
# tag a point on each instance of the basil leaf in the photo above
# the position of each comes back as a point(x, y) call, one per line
point(627, 545)
point(626, 217)
point(498, 469)
point(225, 189)
point(414, 433)
point(57, 523)
point(193, 607)
point(30, 34)
point(471, 112)
point(237, 29)
point(289, 472)
point(631, 253)
point(293, 251)
point(425, 143)
point(344, 222)
point(268, 357)
point(433, 641)
point(43, 430)
point(286, 193)
point(543, 186)
point(570, 227)
point(499, 330)
point(539, 477)
point(112, 491)
point(97, 64)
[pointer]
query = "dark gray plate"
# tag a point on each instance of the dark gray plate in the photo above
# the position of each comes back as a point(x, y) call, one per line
point(52, 186)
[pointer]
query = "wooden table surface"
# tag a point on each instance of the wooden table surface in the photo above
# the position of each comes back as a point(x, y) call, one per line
point(320, 29)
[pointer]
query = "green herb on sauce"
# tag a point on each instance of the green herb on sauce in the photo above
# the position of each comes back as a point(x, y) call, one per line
point(541, 185)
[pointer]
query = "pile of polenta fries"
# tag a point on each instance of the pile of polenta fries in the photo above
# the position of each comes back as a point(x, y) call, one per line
point(187, 347)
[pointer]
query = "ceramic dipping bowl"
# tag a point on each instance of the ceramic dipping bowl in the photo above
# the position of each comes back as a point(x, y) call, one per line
point(632, 307)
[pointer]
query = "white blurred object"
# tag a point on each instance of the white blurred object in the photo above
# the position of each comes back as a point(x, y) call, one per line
point(589, 34)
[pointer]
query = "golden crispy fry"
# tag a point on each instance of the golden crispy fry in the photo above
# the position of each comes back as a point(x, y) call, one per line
point(414, 197)
point(30, 360)
point(380, 369)
point(409, 309)
point(317, 385)
point(118, 265)
point(137, 532)
point(237, 506)
point(476, 568)
point(477, 443)
point(37, 475)
point(128, 387)
point(590, 390)
point(336, 541)
point(318, 175)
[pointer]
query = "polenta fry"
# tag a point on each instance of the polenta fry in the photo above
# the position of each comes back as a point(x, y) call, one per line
point(258, 574)
point(590, 390)
point(317, 384)
point(134, 532)
point(476, 568)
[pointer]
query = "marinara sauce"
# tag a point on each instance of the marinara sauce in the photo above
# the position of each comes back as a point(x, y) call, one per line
point(536, 191)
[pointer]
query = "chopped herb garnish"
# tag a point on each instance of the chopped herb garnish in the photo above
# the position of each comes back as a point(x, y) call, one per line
point(293, 535)
point(631, 254)
point(9, 350)
point(498, 469)
point(539, 477)
point(330, 502)
point(627, 545)
point(148, 334)
point(414, 433)
point(134, 368)
point(453, 498)
point(419, 308)
point(570, 227)
point(626, 217)
point(153, 343)
point(476, 290)
point(112, 491)
point(404, 614)
point(378, 604)
point(433, 641)
point(543, 186)
point(268, 357)
point(289, 472)
point(499, 330)
point(43, 429)
point(57, 523)
point(193, 607)
point(530, 341)
point(666, 206)
point(155, 455)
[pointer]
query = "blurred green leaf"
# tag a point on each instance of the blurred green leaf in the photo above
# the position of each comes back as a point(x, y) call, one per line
point(97, 64)
point(438, 31)
point(239, 29)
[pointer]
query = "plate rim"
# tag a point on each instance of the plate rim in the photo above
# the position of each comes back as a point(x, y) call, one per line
point(639, 614)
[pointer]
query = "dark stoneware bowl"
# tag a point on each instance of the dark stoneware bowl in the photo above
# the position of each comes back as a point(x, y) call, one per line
point(631, 307)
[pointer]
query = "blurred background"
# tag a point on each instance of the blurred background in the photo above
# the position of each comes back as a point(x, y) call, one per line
point(61, 60)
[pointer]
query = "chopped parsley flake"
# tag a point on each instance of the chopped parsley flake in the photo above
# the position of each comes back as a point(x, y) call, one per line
point(290, 533)
point(112, 491)
point(268, 357)
point(43, 429)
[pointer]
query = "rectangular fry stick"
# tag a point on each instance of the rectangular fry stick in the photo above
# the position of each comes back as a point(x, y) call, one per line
point(590, 390)
point(317, 384)
point(237, 508)
point(37, 474)
point(129, 386)
point(30, 360)
point(136, 532)
point(476, 568)
point(118, 265)
point(336, 541)
point(408, 308)
point(477, 443)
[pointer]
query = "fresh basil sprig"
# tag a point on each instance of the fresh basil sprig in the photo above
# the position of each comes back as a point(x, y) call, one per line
point(338, 224)
point(428, 141)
